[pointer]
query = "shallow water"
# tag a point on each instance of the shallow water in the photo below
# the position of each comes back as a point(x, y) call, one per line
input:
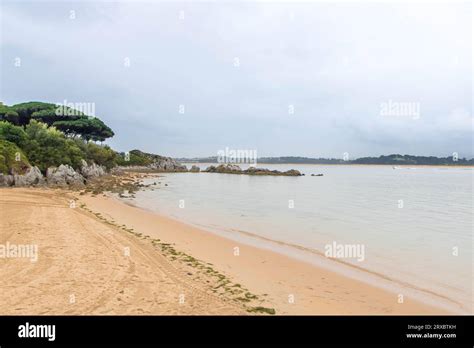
point(408, 220)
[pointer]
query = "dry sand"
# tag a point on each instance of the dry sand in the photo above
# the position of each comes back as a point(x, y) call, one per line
point(82, 266)
point(83, 256)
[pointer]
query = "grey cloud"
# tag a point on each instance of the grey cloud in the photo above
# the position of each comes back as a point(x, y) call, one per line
point(335, 63)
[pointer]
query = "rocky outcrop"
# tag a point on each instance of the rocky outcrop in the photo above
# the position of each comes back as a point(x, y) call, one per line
point(143, 161)
point(235, 169)
point(167, 164)
point(6, 180)
point(90, 171)
point(224, 168)
point(195, 169)
point(32, 177)
point(291, 172)
point(64, 175)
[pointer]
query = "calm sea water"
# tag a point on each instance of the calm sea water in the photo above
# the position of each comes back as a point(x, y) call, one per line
point(411, 221)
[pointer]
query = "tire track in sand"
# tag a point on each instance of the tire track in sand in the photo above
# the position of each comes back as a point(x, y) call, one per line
point(83, 258)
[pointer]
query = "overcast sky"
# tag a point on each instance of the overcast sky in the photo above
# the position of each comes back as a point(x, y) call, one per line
point(308, 79)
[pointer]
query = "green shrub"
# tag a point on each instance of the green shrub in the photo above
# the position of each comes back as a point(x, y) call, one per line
point(99, 154)
point(12, 133)
point(137, 158)
point(47, 147)
point(12, 158)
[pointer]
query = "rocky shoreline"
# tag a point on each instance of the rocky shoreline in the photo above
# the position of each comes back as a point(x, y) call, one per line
point(221, 169)
point(66, 176)
point(61, 176)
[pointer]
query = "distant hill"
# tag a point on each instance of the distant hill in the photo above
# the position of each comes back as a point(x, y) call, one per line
point(302, 160)
point(198, 159)
point(394, 159)
point(413, 160)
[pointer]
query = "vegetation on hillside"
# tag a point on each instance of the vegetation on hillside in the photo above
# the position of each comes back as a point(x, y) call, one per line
point(48, 147)
point(12, 158)
point(46, 138)
point(394, 159)
point(397, 159)
point(138, 158)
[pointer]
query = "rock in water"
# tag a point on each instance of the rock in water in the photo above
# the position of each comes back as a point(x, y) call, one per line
point(231, 168)
point(224, 168)
point(292, 172)
point(195, 169)
point(167, 164)
point(235, 169)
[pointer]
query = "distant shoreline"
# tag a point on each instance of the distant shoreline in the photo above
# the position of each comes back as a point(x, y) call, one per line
point(351, 164)
point(393, 159)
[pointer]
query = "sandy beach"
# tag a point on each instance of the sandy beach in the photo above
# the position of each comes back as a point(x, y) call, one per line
point(98, 255)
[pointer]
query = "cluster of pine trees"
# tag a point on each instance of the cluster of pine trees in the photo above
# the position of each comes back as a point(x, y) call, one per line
point(43, 135)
